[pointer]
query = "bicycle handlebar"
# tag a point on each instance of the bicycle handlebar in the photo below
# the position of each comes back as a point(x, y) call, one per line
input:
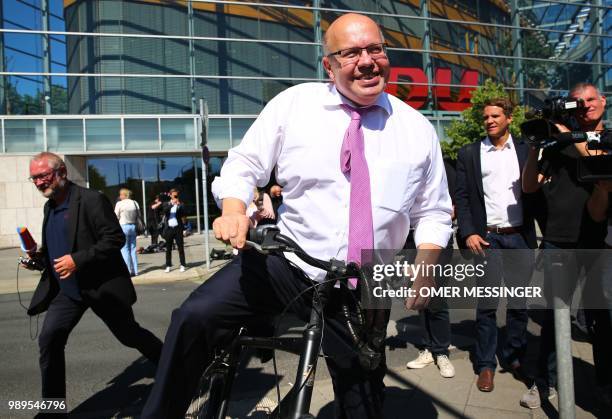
point(267, 238)
point(368, 329)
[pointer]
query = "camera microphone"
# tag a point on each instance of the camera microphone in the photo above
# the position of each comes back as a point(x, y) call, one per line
point(28, 244)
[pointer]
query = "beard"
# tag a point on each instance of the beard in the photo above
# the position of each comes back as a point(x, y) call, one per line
point(51, 191)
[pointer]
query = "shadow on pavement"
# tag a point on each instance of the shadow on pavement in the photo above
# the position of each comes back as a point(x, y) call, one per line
point(398, 402)
point(122, 397)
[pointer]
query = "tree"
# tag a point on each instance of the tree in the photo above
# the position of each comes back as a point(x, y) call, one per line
point(470, 127)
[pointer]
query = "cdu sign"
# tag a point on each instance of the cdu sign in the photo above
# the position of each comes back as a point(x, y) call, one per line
point(418, 92)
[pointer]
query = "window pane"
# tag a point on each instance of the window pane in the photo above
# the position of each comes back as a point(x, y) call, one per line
point(103, 134)
point(218, 135)
point(65, 134)
point(23, 136)
point(177, 134)
point(239, 127)
point(141, 134)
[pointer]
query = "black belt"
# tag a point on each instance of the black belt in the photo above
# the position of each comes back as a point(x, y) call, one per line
point(504, 230)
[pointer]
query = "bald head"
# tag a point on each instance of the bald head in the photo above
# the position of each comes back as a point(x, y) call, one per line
point(334, 34)
point(361, 70)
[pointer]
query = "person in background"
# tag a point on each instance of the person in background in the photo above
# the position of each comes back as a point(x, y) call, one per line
point(128, 211)
point(569, 228)
point(80, 248)
point(435, 321)
point(261, 211)
point(154, 219)
point(494, 215)
point(277, 198)
point(174, 213)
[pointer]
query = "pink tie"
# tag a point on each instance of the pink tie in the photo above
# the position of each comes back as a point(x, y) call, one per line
point(354, 165)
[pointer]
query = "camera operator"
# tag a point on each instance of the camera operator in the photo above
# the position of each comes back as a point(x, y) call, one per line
point(568, 225)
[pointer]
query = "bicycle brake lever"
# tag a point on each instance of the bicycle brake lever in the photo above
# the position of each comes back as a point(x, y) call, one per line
point(256, 247)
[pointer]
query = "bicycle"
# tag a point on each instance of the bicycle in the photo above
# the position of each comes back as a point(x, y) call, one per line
point(366, 327)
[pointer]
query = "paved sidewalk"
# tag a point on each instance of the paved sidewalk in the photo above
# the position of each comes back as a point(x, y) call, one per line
point(411, 393)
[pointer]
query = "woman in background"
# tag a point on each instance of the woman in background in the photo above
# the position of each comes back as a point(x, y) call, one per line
point(128, 211)
point(174, 213)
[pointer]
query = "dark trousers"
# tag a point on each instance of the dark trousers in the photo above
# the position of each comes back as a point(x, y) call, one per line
point(515, 266)
point(174, 234)
point(435, 322)
point(247, 292)
point(435, 326)
point(597, 282)
point(63, 315)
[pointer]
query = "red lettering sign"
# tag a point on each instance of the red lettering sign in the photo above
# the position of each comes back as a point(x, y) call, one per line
point(418, 93)
point(443, 93)
point(417, 96)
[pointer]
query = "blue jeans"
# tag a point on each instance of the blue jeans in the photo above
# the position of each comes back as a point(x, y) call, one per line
point(516, 267)
point(128, 251)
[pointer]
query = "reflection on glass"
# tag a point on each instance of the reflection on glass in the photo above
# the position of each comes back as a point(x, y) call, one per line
point(218, 134)
point(239, 128)
point(177, 134)
point(141, 134)
point(103, 134)
point(64, 135)
point(23, 135)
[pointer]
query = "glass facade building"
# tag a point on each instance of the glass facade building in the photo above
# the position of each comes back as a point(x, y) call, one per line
point(118, 82)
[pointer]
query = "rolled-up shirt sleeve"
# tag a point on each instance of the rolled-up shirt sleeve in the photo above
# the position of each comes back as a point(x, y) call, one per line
point(430, 216)
point(250, 163)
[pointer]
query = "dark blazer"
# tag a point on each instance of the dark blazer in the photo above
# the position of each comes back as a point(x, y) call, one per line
point(469, 195)
point(96, 241)
point(180, 214)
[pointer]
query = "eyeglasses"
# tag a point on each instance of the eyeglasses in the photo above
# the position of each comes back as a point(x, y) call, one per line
point(352, 55)
point(42, 176)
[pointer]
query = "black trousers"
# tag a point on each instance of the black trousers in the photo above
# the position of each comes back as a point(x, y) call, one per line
point(174, 234)
point(63, 315)
point(248, 292)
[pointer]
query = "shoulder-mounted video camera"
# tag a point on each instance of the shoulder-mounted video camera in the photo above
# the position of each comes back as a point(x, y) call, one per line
point(543, 133)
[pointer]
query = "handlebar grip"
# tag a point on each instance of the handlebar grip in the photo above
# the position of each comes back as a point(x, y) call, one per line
point(258, 234)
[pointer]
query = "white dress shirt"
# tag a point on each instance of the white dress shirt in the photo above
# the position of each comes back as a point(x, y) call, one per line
point(300, 132)
point(501, 183)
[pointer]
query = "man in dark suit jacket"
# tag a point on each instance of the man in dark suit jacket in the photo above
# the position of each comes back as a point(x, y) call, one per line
point(493, 213)
point(81, 242)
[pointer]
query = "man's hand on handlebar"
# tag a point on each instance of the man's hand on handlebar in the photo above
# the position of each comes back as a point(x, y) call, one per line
point(233, 225)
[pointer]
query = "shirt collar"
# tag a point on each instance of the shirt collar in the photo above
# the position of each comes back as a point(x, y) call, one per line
point(487, 145)
point(334, 98)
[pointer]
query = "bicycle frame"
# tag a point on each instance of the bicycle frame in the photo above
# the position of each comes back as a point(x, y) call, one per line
point(296, 404)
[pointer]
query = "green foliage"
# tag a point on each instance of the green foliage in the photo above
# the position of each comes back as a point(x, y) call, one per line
point(470, 127)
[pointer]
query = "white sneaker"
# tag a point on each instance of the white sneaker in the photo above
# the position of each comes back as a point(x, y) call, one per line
point(167, 269)
point(531, 399)
point(182, 268)
point(445, 366)
point(424, 359)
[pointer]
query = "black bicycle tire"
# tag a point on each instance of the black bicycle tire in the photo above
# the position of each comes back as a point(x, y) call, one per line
point(201, 406)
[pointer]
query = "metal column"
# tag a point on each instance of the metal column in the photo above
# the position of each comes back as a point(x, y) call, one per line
point(563, 337)
point(427, 64)
point(316, 17)
point(191, 55)
point(517, 46)
point(144, 208)
point(599, 74)
point(3, 79)
point(204, 136)
point(46, 56)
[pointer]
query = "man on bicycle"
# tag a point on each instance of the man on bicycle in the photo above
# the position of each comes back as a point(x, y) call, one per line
point(358, 168)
